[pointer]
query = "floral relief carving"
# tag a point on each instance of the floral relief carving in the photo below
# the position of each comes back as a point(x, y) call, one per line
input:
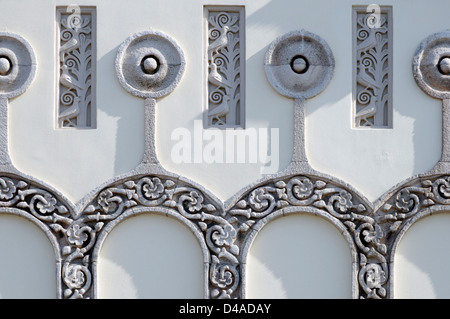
point(373, 231)
point(225, 67)
point(148, 192)
point(330, 198)
point(24, 195)
point(372, 64)
point(76, 42)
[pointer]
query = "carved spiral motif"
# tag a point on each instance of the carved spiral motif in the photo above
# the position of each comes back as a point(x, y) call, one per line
point(368, 61)
point(192, 201)
point(342, 202)
point(372, 278)
point(67, 34)
point(71, 62)
point(216, 96)
point(362, 34)
point(372, 20)
point(224, 19)
point(259, 200)
point(151, 188)
point(364, 97)
point(68, 97)
point(301, 188)
point(442, 190)
point(7, 189)
point(406, 201)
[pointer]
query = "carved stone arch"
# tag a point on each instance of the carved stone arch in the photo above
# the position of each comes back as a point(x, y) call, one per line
point(24, 196)
point(397, 239)
point(311, 211)
point(103, 235)
point(164, 193)
point(47, 233)
point(326, 196)
point(405, 204)
point(40, 225)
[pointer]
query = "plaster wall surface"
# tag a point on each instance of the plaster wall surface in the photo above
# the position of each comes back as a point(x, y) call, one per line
point(77, 161)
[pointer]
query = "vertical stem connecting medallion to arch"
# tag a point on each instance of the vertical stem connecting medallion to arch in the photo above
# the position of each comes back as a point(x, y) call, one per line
point(225, 58)
point(76, 42)
point(372, 66)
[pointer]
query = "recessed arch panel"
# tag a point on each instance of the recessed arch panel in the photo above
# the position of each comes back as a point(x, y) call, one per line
point(299, 256)
point(27, 263)
point(151, 255)
point(421, 259)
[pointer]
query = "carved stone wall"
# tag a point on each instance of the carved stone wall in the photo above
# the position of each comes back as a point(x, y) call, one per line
point(150, 65)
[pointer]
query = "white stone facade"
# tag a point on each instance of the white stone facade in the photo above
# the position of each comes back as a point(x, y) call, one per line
point(289, 187)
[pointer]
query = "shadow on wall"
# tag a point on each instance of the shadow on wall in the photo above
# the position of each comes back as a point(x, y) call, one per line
point(127, 111)
point(275, 107)
point(150, 256)
point(28, 262)
point(422, 259)
point(288, 259)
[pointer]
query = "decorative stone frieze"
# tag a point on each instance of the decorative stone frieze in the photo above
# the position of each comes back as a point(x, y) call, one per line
point(225, 66)
point(76, 89)
point(372, 66)
point(298, 65)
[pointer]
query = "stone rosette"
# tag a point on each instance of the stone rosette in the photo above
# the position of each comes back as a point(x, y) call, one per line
point(17, 65)
point(299, 64)
point(431, 65)
point(150, 64)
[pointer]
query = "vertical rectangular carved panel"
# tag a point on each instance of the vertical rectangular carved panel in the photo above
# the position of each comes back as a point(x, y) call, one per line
point(225, 60)
point(76, 63)
point(372, 66)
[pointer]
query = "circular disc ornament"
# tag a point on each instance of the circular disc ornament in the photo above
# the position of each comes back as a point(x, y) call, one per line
point(17, 65)
point(299, 64)
point(431, 65)
point(149, 64)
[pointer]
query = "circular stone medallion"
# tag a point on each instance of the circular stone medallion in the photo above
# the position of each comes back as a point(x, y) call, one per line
point(299, 64)
point(149, 64)
point(17, 65)
point(431, 65)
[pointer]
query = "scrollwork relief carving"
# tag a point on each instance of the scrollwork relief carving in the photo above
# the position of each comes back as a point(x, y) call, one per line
point(225, 60)
point(324, 197)
point(76, 42)
point(372, 67)
point(373, 229)
point(147, 192)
